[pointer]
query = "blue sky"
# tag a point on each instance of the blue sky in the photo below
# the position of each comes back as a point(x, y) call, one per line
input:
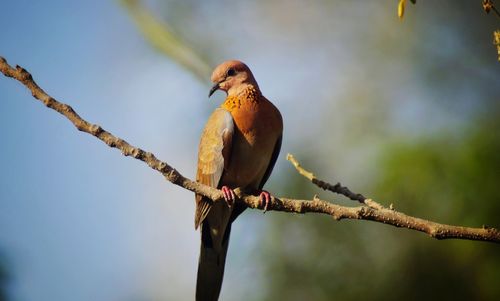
point(68, 228)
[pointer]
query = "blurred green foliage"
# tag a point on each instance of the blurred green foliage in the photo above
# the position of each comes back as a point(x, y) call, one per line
point(447, 178)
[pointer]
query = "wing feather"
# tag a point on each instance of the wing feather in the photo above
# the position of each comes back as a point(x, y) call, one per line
point(274, 157)
point(214, 152)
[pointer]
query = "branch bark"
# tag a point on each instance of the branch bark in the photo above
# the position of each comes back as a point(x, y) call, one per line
point(337, 188)
point(370, 210)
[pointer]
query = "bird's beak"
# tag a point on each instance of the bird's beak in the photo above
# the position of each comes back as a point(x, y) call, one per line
point(214, 88)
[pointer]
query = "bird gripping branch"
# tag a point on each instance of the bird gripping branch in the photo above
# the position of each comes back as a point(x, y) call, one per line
point(238, 148)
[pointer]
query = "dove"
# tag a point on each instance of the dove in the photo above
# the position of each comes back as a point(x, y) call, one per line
point(238, 148)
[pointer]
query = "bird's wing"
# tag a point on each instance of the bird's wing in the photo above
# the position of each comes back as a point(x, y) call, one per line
point(213, 156)
point(274, 157)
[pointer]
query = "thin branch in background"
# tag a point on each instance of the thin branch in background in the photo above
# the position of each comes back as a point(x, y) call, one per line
point(162, 37)
point(488, 6)
point(382, 215)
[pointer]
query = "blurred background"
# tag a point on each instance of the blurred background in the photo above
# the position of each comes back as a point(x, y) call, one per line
point(406, 112)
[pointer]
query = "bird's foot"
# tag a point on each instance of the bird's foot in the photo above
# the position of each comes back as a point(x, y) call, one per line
point(229, 195)
point(265, 199)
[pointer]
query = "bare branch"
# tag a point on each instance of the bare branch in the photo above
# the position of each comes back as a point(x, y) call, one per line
point(378, 214)
point(337, 188)
point(488, 5)
point(161, 36)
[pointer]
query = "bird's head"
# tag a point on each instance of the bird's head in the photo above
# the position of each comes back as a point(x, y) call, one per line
point(232, 77)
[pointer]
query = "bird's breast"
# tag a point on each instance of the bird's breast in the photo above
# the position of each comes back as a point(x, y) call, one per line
point(256, 133)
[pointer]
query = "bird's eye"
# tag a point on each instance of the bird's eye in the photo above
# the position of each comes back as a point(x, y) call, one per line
point(231, 72)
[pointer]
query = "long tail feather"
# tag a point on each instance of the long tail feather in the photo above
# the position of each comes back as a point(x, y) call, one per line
point(211, 265)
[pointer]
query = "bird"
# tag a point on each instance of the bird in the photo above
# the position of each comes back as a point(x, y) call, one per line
point(239, 146)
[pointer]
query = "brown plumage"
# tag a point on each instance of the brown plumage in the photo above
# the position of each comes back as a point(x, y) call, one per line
point(238, 148)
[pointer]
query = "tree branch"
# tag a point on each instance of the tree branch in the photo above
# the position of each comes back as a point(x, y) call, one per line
point(337, 188)
point(372, 211)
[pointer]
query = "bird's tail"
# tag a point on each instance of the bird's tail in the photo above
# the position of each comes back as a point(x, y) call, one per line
point(211, 265)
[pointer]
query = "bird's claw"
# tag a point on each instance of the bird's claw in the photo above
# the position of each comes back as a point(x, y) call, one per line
point(229, 195)
point(265, 199)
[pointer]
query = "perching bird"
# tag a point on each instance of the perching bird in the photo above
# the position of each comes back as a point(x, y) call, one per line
point(238, 148)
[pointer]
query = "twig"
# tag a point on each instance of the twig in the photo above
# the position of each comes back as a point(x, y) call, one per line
point(382, 215)
point(488, 5)
point(337, 188)
point(496, 11)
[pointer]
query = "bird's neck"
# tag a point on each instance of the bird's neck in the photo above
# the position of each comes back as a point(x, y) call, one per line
point(248, 96)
